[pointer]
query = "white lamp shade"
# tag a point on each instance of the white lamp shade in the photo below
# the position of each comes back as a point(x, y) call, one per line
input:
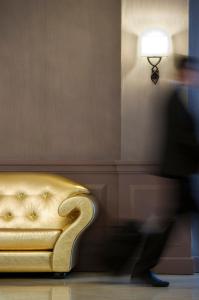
point(155, 43)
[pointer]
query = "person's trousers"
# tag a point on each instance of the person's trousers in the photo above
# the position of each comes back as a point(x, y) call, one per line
point(154, 242)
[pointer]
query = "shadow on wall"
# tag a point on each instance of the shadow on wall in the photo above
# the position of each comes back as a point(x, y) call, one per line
point(129, 52)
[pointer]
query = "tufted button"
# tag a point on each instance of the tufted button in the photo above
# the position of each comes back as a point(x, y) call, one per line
point(21, 196)
point(33, 216)
point(46, 195)
point(8, 216)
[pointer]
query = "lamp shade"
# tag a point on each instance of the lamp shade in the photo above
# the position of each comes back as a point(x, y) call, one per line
point(154, 43)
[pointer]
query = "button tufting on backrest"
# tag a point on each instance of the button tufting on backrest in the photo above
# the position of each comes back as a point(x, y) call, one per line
point(32, 216)
point(21, 196)
point(46, 195)
point(31, 200)
point(8, 216)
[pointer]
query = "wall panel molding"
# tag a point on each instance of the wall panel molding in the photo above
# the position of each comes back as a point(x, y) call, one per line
point(111, 167)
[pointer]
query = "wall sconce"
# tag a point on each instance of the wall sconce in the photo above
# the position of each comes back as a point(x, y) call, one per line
point(154, 45)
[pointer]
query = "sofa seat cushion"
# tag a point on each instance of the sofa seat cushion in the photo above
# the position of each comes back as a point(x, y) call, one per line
point(28, 239)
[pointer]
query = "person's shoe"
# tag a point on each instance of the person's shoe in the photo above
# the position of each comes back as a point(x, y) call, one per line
point(149, 278)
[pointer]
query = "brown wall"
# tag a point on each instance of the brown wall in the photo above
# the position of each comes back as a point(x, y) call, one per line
point(60, 79)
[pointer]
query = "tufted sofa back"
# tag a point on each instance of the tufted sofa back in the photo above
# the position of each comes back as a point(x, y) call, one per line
point(31, 200)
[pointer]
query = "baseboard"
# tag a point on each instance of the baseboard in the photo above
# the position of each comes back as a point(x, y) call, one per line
point(176, 266)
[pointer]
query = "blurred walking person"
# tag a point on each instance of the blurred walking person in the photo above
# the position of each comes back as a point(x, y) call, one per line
point(180, 159)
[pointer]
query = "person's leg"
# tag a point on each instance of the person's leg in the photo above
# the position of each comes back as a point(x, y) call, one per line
point(152, 247)
point(121, 245)
point(154, 243)
point(150, 252)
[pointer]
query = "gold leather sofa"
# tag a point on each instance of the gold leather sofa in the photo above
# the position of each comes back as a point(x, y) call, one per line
point(41, 217)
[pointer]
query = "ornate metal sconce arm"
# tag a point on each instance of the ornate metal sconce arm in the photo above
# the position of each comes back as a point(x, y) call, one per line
point(154, 70)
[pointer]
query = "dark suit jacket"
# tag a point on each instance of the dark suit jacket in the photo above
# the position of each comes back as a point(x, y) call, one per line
point(181, 149)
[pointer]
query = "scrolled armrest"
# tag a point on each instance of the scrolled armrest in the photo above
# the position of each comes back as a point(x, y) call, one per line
point(80, 202)
point(62, 260)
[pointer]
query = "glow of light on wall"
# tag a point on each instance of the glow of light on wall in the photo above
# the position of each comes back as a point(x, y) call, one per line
point(155, 43)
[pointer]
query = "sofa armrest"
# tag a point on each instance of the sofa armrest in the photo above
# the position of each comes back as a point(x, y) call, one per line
point(62, 260)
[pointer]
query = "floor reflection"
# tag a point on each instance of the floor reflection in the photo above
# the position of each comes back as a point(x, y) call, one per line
point(97, 287)
point(35, 293)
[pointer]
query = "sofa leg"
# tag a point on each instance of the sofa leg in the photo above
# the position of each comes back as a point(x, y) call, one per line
point(60, 275)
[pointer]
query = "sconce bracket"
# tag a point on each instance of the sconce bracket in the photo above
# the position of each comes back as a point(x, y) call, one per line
point(154, 70)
